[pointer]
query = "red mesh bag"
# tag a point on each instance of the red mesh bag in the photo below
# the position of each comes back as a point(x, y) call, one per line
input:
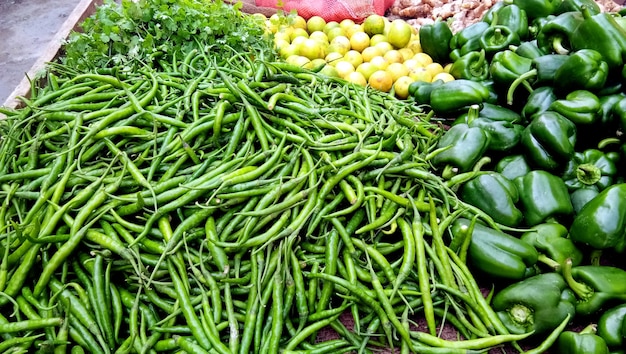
point(331, 10)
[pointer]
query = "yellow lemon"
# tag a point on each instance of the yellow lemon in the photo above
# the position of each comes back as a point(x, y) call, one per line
point(415, 46)
point(380, 62)
point(399, 33)
point(330, 25)
point(311, 49)
point(329, 71)
point(298, 60)
point(423, 58)
point(384, 46)
point(333, 57)
point(298, 22)
point(280, 43)
point(315, 23)
point(335, 32)
point(420, 74)
point(374, 24)
point(370, 52)
point(377, 38)
point(344, 68)
point(319, 36)
point(393, 56)
point(298, 41)
point(447, 67)
point(350, 31)
point(443, 76)
point(397, 70)
point(346, 23)
point(406, 53)
point(412, 64)
point(380, 80)
point(288, 51)
point(367, 69)
point(298, 32)
point(353, 57)
point(359, 41)
point(401, 87)
point(434, 68)
point(356, 78)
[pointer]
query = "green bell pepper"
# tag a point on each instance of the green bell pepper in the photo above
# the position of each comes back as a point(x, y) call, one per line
point(580, 106)
point(601, 223)
point(455, 96)
point(539, 303)
point(619, 112)
point(503, 134)
point(506, 67)
point(528, 49)
point(497, 38)
point(612, 326)
point(581, 196)
point(513, 166)
point(495, 253)
point(595, 286)
point(550, 239)
point(607, 102)
point(471, 66)
point(420, 90)
point(435, 40)
point(538, 101)
point(495, 112)
point(549, 140)
point(513, 17)
point(584, 69)
point(591, 167)
point(543, 72)
point(538, 8)
point(495, 195)
point(542, 196)
point(584, 342)
point(555, 34)
point(468, 39)
point(490, 14)
point(465, 146)
point(577, 5)
point(600, 32)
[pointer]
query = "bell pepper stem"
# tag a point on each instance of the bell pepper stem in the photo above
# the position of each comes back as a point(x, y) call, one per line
point(557, 45)
point(590, 329)
point(588, 173)
point(556, 266)
point(583, 291)
point(466, 176)
point(595, 257)
point(521, 80)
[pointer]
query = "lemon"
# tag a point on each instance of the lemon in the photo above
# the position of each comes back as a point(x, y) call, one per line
point(356, 78)
point(384, 46)
point(370, 52)
point(335, 32)
point(397, 70)
point(420, 74)
point(298, 32)
point(350, 31)
point(319, 36)
point(367, 69)
point(412, 64)
point(329, 71)
point(298, 60)
point(315, 23)
point(401, 87)
point(298, 41)
point(374, 24)
point(377, 38)
point(359, 41)
point(406, 53)
point(344, 68)
point(280, 44)
point(434, 68)
point(380, 62)
point(415, 46)
point(311, 49)
point(299, 22)
point(423, 58)
point(338, 49)
point(443, 76)
point(346, 23)
point(399, 33)
point(353, 57)
point(393, 56)
point(288, 51)
point(380, 80)
point(332, 57)
point(330, 25)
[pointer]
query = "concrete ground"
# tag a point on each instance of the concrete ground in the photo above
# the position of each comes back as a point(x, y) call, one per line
point(26, 28)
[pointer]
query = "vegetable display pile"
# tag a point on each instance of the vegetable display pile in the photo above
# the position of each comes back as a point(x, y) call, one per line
point(184, 191)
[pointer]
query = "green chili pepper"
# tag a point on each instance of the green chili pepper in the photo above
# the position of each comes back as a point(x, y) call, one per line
point(611, 325)
point(543, 195)
point(539, 303)
point(435, 40)
point(550, 239)
point(494, 194)
point(471, 66)
point(549, 140)
point(584, 69)
point(600, 32)
point(595, 286)
point(601, 223)
point(584, 342)
point(496, 253)
point(579, 106)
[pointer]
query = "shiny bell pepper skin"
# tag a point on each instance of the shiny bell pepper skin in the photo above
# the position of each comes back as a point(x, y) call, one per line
point(547, 66)
point(468, 145)
point(581, 196)
point(496, 253)
point(506, 67)
point(583, 342)
point(584, 69)
point(606, 108)
point(601, 223)
point(513, 17)
point(495, 195)
point(539, 303)
point(550, 239)
point(497, 38)
point(420, 90)
point(471, 66)
point(538, 8)
point(554, 35)
point(603, 34)
point(457, 95)
point(611, 325)
point(503, 134)
point(538, 101)
point(543, 195)
point(580, 106)
point(619, 111)
point(577, 5)
point(496, 112)
point(529, 49)
point(435, 40)
point(549, 140)
point(595, 286)
point(513, 166)
point(490, 14)
point(467, 40)
point(591, 167)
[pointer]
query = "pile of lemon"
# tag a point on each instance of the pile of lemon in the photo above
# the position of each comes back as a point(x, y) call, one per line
point(383, 54)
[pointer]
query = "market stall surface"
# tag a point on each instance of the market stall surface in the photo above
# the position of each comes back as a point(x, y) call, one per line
point(26, 29)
